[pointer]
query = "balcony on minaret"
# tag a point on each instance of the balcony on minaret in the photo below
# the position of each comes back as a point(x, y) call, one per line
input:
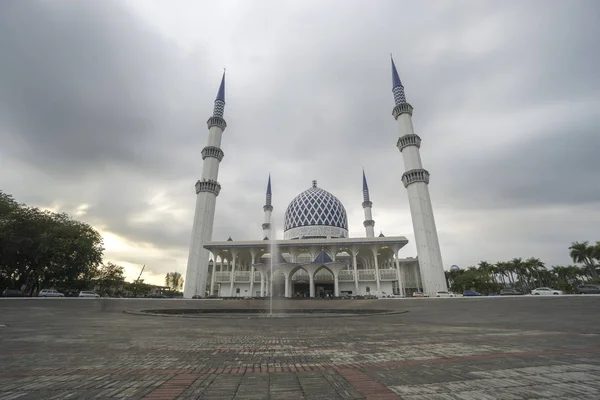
point(415, 175)
point(402, 108)
point(216, 121)
point(213, 151)
point(369, 222)
point(410, 139)
point(368, 204)
point(208, 185)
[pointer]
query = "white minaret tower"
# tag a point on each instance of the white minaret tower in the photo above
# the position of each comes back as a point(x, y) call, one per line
point(367, 205)
point(207, 190)
point(416, 181)
point(268, 208)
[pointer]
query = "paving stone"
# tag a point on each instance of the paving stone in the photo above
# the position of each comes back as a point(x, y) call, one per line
point(442, 349)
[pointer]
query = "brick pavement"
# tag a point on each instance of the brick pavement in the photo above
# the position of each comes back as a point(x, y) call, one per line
point(440, 349)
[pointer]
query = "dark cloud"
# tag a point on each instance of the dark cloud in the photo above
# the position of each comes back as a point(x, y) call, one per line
point(104, 105)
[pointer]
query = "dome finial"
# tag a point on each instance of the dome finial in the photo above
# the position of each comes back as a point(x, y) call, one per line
point(314, 182)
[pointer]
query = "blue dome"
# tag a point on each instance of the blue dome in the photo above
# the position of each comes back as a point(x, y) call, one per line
point(320, 212)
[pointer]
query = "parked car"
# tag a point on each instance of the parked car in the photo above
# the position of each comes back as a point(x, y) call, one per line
point(588, 289)
point(470, 293)
point(420, 294)
point(444, 294)
point(50, 293)
point(13, 293)
point(87, 293)
point(546, 291)
point(510, 292)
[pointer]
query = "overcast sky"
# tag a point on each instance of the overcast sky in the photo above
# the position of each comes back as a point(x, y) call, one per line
point(103, 109)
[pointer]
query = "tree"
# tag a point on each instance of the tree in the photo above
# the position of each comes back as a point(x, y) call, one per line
point(174, 280)
point(45, 249)
point(586, 254)
point(111, 280)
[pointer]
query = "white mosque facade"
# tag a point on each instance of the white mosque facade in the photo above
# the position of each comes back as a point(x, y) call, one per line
point(316, 257)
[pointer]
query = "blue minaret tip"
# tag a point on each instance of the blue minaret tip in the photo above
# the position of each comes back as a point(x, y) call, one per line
point(365, 186)
point(221, 93)
point(395, 77)
point(269, 185)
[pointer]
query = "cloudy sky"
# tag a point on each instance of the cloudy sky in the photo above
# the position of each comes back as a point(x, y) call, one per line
point(103, 109)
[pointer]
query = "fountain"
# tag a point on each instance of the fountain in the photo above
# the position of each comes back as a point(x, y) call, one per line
point(273, 260)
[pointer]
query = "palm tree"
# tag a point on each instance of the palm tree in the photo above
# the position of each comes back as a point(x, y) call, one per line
point(583, 253)
point(174, 280)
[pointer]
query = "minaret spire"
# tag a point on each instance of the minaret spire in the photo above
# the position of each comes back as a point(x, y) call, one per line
point(207, 190)
point(369, 224)
point(268, 209)
point(220, 100)
point(416, 182)
point(397, 88)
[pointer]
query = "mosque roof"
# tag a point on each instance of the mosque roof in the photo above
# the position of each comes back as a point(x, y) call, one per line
point(315, 206)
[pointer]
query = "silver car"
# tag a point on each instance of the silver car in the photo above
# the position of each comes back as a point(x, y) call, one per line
point(50, 293)
point(87, 293)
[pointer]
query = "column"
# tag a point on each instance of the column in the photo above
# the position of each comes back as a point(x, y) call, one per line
point(336, 284)
point(312, 285)
point(374, 250)
point(262, 284)
point(212, 277)
point(234, 257)
point(287, 286)
point(400, 282)
point(354, 266)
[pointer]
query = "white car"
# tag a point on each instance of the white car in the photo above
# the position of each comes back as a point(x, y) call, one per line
point(84, 293)
point(444, 294)
point(50, 293)
point(546, 291)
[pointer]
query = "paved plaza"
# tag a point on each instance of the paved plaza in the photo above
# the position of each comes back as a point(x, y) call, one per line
point(463, 348)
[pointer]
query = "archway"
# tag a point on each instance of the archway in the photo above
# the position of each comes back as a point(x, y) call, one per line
point(324, 282)
point(300, 283)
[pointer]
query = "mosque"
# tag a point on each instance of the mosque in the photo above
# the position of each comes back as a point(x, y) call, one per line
point(316, 257)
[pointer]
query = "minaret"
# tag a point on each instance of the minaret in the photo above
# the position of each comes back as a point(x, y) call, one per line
point(369, 223)
point(416, 181)
point(207, 190)
point(268, 208)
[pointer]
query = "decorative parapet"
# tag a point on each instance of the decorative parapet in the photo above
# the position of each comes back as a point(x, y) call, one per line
point(410, 139)
point(208, 185)
point(346, 276)
point(266, 226)
point(415, 175)
point(369, 222)
point(213, 151)
point(402, 108)
point(267, 207)
point(366, 204)
point(387, 275)
point(216, 121)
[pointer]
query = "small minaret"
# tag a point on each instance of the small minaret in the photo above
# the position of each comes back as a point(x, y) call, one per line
point(207, 190)
point(416, 181)
point(268, 208)
point(367, 205)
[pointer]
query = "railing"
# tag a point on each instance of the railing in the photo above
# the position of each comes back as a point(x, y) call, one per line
point(366, 274)
point(256, 276)
point(223, 276)
point(346, 276)
point(388, 275)
point(242, 276)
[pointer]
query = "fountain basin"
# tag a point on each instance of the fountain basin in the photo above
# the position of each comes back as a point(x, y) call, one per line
point(263, 313)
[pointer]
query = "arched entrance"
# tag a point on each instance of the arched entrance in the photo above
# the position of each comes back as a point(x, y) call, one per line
point(324, 283)
point(300, 286)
